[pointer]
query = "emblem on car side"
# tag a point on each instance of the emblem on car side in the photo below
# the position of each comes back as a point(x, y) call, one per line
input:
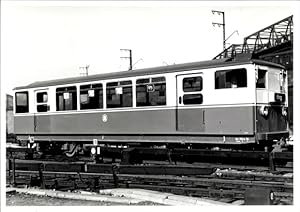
point(104, 118)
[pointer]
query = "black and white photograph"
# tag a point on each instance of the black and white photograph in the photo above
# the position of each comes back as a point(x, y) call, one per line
point(148, 103)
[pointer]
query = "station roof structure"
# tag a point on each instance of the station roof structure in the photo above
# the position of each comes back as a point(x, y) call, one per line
point(272, 41)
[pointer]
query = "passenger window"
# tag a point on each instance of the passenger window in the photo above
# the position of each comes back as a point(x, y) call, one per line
point(91, 96)
point(119, 94)
point(236, 78)
point(151, 92)
point(190, 99)
point(41, 101)
point(261, 79)
point(22, 105)
point(192, 84)
point(66, 98)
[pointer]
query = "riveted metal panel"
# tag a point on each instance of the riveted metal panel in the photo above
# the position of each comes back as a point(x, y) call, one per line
point(43, 124)
point(129, 122)
point(154, 121)
point(191, 120)
point(230, 120)
point(220, 121)
point(24, 124)
point(207, 121)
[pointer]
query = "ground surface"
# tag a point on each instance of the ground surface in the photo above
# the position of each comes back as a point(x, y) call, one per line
point(33, 200)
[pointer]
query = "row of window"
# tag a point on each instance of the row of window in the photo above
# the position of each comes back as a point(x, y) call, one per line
point(149, 92)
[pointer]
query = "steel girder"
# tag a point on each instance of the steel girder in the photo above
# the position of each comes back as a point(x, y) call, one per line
point(271, 39)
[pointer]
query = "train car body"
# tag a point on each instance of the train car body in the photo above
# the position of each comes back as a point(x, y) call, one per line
point(9, 115)
point(209, 102)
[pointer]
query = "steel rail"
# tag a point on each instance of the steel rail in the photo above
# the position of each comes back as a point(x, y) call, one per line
point(209, 187)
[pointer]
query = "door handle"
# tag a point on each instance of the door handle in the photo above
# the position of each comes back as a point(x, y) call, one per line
point(180, 100)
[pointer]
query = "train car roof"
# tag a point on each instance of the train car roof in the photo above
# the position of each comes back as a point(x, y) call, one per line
point(148, 71)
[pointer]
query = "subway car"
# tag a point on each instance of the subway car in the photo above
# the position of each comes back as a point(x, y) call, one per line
point(225, 102)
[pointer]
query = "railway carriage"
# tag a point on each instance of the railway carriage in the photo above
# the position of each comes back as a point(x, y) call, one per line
point(213, 103)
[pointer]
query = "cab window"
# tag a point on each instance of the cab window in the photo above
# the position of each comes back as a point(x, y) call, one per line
point(261, 78)
point(274, 81)
point(22, 105)
point(235, 78)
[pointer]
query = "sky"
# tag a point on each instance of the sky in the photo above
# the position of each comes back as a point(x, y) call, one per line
point(48, 40)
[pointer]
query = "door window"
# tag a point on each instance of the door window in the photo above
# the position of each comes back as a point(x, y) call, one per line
point(42, 101)
point(190, 99)
point(191, 84)
point(191, 90)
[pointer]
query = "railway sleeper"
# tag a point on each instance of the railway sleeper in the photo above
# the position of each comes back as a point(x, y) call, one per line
point(80, 182)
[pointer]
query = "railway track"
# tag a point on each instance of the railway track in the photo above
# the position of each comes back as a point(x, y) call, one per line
point(223, 175)
point(201, 181)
